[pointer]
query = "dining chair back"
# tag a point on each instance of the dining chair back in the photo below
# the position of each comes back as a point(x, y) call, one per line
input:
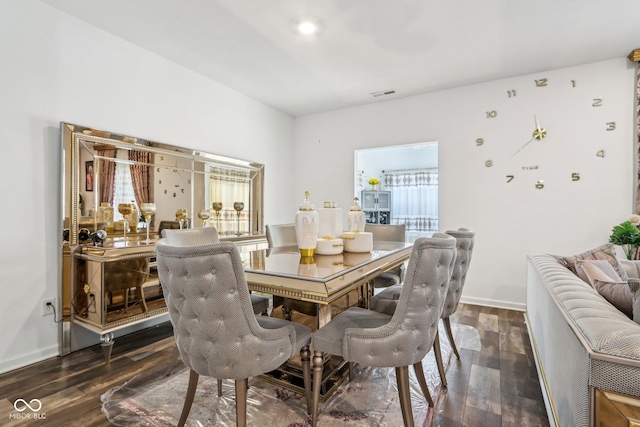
point(387, 300)
point(279, 235)
point(399, 340)
point(388, 233)
point(216, 331)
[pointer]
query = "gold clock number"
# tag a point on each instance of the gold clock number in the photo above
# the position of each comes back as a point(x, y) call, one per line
point(600, 153)
point(488, 163)
point(575, 176)
point(511, 93)
point(541, 82)
point(509, 178)
point(492, 114)
point(597, 102)
point(479, 141)
point(540, 185)
point(611, 125)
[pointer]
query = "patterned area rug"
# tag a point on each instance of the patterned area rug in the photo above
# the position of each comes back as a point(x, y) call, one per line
point(370, 399)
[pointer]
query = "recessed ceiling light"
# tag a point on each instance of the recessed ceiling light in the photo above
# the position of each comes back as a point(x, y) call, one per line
point(307, 27)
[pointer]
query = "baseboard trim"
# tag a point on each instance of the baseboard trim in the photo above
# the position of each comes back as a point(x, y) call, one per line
point(493, 303)
point(29, 359)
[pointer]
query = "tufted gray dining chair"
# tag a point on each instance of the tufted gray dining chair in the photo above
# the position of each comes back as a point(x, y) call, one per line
point(216, 331)
point(284, 235)
point(388, 233)
point(386, 301)
point(399, 340)
point(203, 236)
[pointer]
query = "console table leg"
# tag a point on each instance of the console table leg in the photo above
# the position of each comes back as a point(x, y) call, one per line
point(106, 341)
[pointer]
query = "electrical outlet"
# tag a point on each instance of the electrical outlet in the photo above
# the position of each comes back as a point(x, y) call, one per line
point(47, 306)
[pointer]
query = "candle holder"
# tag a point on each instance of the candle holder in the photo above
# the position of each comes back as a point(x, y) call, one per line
point(204, 215)
point(125, 209)
point(181, 214)
point(148, 210)
point(217, 207)
point(238, 206)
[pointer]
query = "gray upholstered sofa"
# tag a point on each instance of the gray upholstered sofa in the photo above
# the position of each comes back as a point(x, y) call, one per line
point(580, 341)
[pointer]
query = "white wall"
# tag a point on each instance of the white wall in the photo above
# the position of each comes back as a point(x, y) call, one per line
point(511, 220)
point(56, 68)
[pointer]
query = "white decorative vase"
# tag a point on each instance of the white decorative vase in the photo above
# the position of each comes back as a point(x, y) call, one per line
point(307, 223)
point(355, 218)
point(330, 221)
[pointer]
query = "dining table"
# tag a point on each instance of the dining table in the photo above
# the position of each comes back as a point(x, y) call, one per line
point(323, 280)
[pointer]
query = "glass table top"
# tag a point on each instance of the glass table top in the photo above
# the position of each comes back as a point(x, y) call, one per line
point(287, 261)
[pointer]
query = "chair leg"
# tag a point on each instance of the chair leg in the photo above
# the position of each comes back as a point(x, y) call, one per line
point(305, 356)
point(402, 378)
point(286, 310)
point(241, 403)
point(438, 353)
point(188, 401)
point(219, 387)
point(447, 327)
point(350, 371)
point(417, 368)
point(143, 301)
point(318, 365)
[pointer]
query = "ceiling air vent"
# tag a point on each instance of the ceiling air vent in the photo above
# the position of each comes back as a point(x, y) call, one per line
point(382, 93)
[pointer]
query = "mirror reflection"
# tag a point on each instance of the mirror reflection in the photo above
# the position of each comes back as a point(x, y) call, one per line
point(114, 171)
point(119, 193)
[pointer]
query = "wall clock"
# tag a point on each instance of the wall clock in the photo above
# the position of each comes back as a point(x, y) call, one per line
point(545, 131)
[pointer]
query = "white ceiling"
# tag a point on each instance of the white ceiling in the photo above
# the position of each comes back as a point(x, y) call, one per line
point(365, 46)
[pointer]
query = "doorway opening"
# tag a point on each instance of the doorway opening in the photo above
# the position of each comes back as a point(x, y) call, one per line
point(407, 188)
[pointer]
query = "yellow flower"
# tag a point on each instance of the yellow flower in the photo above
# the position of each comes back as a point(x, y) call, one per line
point(374, 181)
point(634, 219)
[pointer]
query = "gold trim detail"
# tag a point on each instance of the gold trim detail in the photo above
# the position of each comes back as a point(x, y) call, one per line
point(307, 252)
point(634, 55)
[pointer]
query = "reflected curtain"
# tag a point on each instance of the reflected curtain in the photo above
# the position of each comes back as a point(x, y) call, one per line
point(414, 199)
point(107, 175)
point(229, 186)
point(140, 175)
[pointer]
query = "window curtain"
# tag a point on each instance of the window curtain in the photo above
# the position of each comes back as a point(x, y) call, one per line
point(107, 175)
point(414, 199)
point(140, 175)
point(230, 186)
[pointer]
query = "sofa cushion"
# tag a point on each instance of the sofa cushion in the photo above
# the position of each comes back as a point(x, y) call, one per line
point(634, 287)
point(604, 252)
point(600, 269)
point(618, 294)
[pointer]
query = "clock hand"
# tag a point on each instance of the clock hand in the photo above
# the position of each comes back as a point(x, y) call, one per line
point(527, 143)
point(538, 134)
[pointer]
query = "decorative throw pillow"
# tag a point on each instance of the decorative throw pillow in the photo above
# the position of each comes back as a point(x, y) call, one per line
point(604, 252)
point(634, 287)
point(618, 294)
point(592, 270)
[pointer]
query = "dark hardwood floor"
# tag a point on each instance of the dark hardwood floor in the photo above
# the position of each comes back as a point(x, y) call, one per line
point(496, 386)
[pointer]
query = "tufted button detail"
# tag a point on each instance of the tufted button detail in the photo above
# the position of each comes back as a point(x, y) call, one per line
point(238, 339)
point(232, 290)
